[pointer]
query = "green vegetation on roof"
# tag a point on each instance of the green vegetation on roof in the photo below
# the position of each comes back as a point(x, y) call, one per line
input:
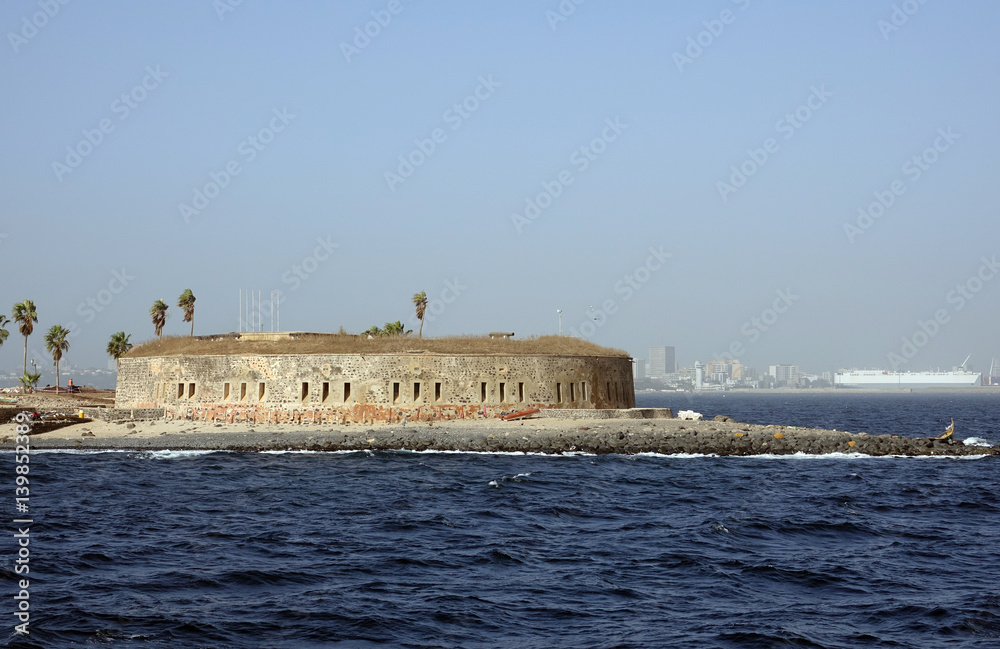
point(317, 343)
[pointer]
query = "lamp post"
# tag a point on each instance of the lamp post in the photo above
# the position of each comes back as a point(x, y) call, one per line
point(559, 311)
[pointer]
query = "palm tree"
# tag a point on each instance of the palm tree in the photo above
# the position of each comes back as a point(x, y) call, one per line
point(395, 329)
point(159, 314)
point(118, 345)
point(373, 332)
point(25, 317)
point(29, 380)
point(55, 342)
point(4, 321)
point(186, 302)
point(420, 301)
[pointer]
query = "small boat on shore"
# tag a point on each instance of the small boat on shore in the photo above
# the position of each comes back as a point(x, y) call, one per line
point(520, 414)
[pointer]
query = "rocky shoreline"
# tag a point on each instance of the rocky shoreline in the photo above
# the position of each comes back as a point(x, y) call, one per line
point(721, 437)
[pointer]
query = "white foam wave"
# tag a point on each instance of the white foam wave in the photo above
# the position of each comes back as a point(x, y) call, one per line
point(73, 451)
point(517, 478)
point(862, 456)
point(173, 455)
point(155, 455)
point(676, 455)
point(178, 454)
point(517, 453)
point(810, 456)
point(300, 452)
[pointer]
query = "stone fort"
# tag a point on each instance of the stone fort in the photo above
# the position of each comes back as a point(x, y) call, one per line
point(337, 378)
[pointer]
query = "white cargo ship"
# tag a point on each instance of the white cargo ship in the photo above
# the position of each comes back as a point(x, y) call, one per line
point(884, 379)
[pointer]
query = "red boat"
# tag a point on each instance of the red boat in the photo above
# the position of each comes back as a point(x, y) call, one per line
point(519, 414)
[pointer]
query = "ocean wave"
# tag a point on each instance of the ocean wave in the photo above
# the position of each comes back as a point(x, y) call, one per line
point(863, 456)
point(517, 478)
point(302, 452)
point(173, 455)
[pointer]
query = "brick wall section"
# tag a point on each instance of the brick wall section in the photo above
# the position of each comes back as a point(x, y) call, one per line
point(123, 414)
point(381, 386)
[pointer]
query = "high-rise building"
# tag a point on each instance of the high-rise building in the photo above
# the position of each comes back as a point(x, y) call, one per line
point(661, 362)
point(733, 370)
point(785, 374)
point(640, 368)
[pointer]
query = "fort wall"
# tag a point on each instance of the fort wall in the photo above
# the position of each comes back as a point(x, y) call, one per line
point(363, 388)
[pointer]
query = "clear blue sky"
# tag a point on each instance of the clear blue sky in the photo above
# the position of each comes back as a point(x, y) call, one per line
point(871, 91)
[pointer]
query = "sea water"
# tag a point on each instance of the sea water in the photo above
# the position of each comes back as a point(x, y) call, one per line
point(399, 549)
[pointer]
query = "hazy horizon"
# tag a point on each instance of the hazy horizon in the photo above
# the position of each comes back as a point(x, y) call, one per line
point(782, 183)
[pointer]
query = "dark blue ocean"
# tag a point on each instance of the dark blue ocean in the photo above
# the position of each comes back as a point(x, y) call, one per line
point(362, 550)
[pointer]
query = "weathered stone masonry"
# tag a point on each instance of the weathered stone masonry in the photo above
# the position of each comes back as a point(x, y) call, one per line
point(355, 388)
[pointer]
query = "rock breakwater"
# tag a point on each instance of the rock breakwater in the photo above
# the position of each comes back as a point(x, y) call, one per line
point(544, 435)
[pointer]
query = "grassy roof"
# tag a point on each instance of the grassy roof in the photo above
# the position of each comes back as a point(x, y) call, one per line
point(315, 343)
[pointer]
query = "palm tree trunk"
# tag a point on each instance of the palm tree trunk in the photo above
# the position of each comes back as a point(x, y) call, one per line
point(57, 377)
point(192, 325)
point(420, 333)
point(24, 369)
